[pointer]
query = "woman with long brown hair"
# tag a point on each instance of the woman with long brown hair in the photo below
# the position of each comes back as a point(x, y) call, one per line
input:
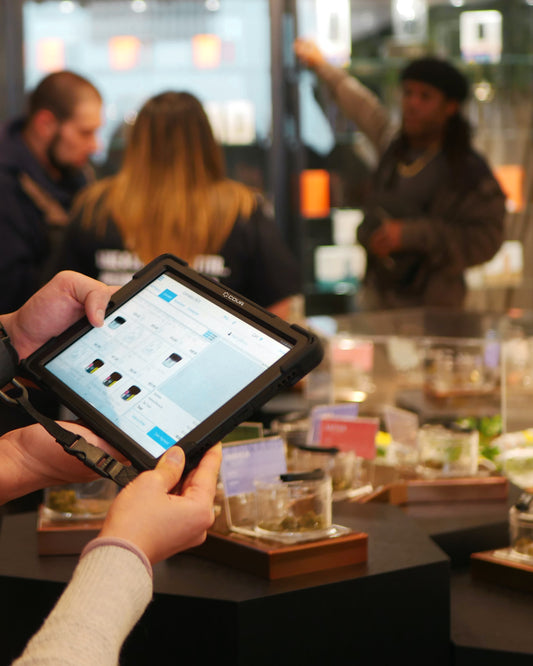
point(172, 195)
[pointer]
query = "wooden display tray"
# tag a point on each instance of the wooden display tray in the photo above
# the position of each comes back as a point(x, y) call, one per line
point(64, 537)
point(488, 566)
point(262, 558)
point(272, 560)
point(457, 490)
point(390, 493)
point(460, 393)
point(441, 490)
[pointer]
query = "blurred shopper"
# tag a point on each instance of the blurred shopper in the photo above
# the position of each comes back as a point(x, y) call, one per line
point(43, 157)
point(172, 195)
point(435, 207)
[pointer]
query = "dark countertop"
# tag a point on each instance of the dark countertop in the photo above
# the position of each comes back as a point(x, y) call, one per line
point(408, 585)
point(330, 614)
point(462, 528)
point(491, 625)
point(395, 542)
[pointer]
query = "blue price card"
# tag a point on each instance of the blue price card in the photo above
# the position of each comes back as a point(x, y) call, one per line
point(342, 409)
point(243, 463)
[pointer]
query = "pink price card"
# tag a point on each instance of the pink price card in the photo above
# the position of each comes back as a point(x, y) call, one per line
point(358, 435)
point(353, 352)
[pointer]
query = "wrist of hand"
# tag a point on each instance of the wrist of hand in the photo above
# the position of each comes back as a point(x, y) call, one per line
point(116, 542)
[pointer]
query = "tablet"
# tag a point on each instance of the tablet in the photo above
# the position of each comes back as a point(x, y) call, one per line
point(180, 359)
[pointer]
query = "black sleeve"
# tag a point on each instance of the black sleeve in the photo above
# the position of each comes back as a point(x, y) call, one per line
point(261, 266)
point(78, 250)
point(23, 245)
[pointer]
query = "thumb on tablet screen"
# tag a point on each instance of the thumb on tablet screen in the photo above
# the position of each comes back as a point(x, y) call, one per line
point(171, 466)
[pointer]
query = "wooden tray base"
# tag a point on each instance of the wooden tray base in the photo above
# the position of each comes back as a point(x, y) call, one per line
point(273, 560)
point(390, 493)
point(458, 490)
point(64, 538)
point(440, 490)
point(495, 567)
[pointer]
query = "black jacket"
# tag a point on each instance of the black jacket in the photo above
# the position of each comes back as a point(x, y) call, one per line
point(31, 206)
point(462, 227)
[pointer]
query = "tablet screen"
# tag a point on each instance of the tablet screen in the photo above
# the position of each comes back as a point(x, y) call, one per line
point(164, 361)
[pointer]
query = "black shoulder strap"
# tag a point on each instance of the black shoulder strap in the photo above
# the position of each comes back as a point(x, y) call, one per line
point(75, 445)
point(9, 359)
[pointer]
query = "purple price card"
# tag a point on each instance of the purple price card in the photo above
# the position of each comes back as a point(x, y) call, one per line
point(243, 463)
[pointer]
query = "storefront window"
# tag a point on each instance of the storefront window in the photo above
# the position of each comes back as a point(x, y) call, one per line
point(218, 50)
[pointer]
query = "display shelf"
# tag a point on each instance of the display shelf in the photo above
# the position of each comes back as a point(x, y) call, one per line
point(457, 490)
point(502, 567)
point(439, 490)
point(274, 560)
point(317, 618)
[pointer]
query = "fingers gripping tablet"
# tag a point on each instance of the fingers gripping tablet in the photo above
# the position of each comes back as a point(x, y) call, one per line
point(179, 359)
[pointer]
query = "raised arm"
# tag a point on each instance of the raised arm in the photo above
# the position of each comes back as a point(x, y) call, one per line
point(355, 100)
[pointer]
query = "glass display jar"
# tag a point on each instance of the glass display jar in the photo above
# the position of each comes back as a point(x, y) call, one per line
point(352, 362)
point(521, 528)
point(517, 465)
point(456, 371)
point(79, 501)
point(342, 466)
point(447, 451)
point(293, 427)
point(294, 505)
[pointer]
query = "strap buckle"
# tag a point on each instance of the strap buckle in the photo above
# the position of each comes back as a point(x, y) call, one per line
point(14, 401)
point(75, 445)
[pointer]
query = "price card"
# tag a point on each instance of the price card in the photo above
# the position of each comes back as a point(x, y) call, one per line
point(342, 409)
point(346, 434)
point(402, 425)
point(244, 463)
point(349, 350)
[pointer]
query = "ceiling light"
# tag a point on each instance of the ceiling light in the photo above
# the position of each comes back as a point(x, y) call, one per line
point(406, 9)
point(67, 7)
point(138, 6)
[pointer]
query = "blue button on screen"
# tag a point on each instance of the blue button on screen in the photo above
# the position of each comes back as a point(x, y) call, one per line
point(167, 295)
point(161, 437)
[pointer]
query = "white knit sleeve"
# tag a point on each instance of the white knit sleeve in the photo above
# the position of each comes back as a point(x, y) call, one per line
point(108, 593)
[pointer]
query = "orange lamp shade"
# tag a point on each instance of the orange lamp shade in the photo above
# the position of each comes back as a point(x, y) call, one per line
point(206, 51)
point(314, 193)
point(50, 54)
point(124, 52)
point(511, 179)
